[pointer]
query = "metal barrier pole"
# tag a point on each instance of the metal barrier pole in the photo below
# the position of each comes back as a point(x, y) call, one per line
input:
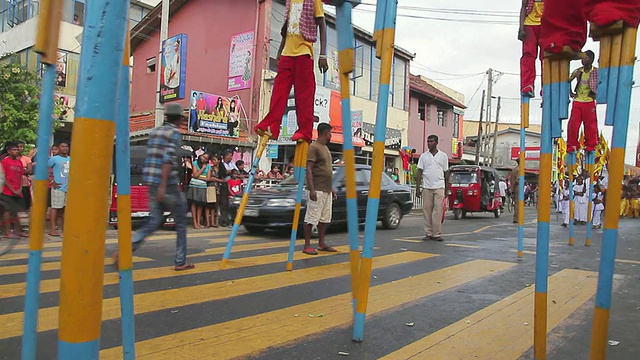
point(384, 35)
point(47, 46)
point(621, 104)
point(346, 63)
point(245, 198)
point(123, 178)
point(82, 269)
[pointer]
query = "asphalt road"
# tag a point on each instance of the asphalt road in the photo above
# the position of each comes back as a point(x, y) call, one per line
point(466, 297)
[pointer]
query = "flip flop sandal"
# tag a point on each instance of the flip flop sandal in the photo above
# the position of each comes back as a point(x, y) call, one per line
point(327, 249)
point(310, 251)
point(184, 267)
point(54, 235)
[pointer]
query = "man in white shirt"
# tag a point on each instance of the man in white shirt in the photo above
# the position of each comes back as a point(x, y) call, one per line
point(503, 191)
point(434, 165)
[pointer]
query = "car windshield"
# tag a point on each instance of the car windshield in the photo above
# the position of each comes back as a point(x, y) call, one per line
point(291, 181)
point(463, 178)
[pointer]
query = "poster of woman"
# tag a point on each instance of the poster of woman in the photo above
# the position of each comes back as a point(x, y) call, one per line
point(173, 67)
point(214, 114)
point(240, 61)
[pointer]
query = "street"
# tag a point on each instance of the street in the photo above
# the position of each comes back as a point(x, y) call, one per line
point(466, 297)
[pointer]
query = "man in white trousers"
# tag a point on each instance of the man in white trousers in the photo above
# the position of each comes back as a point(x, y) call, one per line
point(581, 201)
point(433, 168)
point(565, 204)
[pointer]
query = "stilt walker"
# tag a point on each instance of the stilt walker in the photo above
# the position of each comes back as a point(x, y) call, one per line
point(295, 69)
point(561, 38)
point(47, 46)
point(82, 265)
point(346, 64)
point(614, 23)
point(123, 179)
point(384, 35)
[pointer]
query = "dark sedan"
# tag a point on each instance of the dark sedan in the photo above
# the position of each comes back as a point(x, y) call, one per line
point(272, 208)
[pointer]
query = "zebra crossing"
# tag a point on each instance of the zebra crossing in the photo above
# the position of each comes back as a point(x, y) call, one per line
point(238, 312)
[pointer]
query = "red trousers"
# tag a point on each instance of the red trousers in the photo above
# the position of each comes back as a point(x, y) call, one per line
point(582, 113)
point(530, 46)
point(294, 71)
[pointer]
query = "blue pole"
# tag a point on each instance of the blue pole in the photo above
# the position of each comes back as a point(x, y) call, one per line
point(524, 122)
point(300, 171)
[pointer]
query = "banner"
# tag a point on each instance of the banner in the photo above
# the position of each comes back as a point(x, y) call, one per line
point(173, 67)
point(240, 61)
point(530, 153)
point(214, 114)
point(327, 109)
point(357, 119)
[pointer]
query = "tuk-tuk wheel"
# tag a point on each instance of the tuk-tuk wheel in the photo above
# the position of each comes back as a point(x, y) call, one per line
point(457, 214)
point(496, 213)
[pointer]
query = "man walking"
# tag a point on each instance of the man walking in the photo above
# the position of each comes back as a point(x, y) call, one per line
point(320, 187)
point(515, 190)
point(160, 174)
point(60, 167)
point(433, 167)
point(225, 174)
point(11, 197)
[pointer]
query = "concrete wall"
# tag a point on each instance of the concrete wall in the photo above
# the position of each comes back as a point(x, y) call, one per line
point(209, 39)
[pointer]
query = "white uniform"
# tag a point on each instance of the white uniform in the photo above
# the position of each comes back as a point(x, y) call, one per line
point(581, 205)
point(565, 207)
point(558, 196)
point(598, 209)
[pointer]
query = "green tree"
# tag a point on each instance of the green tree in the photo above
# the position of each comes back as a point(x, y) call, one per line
point(19, 102)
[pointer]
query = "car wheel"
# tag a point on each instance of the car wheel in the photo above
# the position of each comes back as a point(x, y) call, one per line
point(253, 230)
point(392, 218)
point(457, 214)
point(496, 213)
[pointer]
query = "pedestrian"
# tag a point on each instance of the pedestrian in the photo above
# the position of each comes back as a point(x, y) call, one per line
point(320, 190)
point(581, 201)
point(433, 167)
point(242, 172)
point(60, 167)
point(11, 198)
point(225, 174)
point(396, 175)
point(503, 191)
point(213, 193)
point(197, 192)
point(160, 174)
point(566, 205)
point(295, 68)
point(28, 170)
point(583, 111)
point(515, 191)
point(598, 206)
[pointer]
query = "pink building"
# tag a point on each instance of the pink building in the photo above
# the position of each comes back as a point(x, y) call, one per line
point(431, 111)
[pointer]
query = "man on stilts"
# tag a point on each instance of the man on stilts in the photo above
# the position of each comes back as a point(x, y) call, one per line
point(530, 22)
point(295, 68)
point(584, 105)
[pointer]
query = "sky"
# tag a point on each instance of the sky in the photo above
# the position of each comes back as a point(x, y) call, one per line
point(458, 54)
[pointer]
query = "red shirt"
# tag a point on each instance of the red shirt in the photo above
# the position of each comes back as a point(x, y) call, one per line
point(235, 186)
point(13, 171)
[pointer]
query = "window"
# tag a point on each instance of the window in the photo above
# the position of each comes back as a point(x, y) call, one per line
point(442, 120)
point(151, 65)
point(362, 73)
point(78, 12)
point(399, 84)
point(362, 177)
point(277, 20)
point(456, 126)
point(375, 77)
point(422, 113)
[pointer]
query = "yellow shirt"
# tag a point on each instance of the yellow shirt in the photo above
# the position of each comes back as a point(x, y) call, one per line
point(295, 44)
point(535, 16)
point(584, 90)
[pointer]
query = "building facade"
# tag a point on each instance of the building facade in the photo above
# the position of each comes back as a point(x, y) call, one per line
point(433, 111)
point(18, 29)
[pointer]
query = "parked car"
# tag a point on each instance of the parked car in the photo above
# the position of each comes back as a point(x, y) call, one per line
point(272, 208)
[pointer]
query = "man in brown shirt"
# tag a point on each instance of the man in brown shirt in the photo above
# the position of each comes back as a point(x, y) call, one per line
point(320, 188)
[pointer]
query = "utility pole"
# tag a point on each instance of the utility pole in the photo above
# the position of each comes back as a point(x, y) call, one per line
point(479, 141)
point(164, 33)
point(485, 149)
point(495, 134)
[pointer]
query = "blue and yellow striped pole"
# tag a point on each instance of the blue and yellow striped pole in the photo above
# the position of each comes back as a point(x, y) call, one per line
point(572, 206)
point(300, 171)
point(524, 123)
point(123, 179)
point(82, 269)
point(384, 35)
point(346, 62)
point(622, 103)
point(245, 198)
point(590, 160)
point(47, 46)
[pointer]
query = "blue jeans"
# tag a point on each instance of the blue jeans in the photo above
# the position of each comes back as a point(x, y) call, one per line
point(174, 202)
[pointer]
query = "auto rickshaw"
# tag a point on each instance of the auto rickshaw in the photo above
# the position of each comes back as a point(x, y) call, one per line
point(472, 188)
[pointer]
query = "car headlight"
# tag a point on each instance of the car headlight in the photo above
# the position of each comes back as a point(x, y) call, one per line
point(281, 202)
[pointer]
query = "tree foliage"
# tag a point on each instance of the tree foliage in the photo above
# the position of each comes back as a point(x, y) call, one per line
point(19, 102)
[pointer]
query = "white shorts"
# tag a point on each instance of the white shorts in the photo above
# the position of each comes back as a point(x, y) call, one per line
point(58, 199)
point(319, 211)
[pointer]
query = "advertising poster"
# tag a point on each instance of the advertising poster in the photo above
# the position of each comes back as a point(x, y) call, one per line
point(173, 67)
point(214, 114)
point(327, 109)
point(240, 61)
point(357, 118)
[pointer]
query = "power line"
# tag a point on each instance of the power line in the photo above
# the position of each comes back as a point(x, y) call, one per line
point(465, 20)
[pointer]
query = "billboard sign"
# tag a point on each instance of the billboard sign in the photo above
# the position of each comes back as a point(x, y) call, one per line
point(214, 114)
point(240, 61)
point(173, 67)
point(530, 153)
